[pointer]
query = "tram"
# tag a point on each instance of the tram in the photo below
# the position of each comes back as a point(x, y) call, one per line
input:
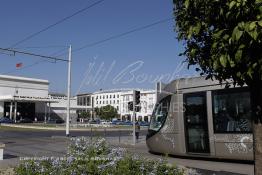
point(196, 117)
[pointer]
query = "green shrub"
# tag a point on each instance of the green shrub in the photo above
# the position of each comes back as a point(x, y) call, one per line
point(96, 158)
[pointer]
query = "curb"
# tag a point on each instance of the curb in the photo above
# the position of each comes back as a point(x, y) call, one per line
point(72, 129)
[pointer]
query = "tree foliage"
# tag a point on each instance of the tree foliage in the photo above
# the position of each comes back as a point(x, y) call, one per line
point(106, 112)
point(85, 114)
point(223, 37)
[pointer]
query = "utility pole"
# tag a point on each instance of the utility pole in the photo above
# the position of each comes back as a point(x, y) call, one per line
point(68, 83)
point(68, 90)
point(134, 117)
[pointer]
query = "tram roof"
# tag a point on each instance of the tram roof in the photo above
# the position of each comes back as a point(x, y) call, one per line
point(191, 82)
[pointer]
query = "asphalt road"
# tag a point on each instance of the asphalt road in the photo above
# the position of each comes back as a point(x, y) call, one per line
point(27, 133)
point(36, 143)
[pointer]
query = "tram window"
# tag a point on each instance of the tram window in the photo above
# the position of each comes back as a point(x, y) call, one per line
point(160, 113)
point(231, 111)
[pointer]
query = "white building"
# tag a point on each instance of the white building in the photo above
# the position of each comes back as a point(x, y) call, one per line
point(109, 97)
point(58, 110)
point(23, 97)
point(147, 103)
point(119, 100)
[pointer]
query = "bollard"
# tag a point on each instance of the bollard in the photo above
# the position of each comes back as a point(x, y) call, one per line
point(91, 134)
point(2, 146)
point(119, 135)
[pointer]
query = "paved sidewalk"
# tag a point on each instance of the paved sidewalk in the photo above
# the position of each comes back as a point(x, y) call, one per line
point(203, 166)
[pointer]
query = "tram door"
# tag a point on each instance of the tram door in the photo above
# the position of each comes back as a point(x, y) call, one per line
point(196, 125)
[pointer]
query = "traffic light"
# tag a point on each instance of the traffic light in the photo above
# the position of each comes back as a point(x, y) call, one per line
point(137, 97)
point(130, 106)
point(137, 108)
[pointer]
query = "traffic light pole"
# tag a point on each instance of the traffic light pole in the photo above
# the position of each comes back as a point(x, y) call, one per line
point(134, 117)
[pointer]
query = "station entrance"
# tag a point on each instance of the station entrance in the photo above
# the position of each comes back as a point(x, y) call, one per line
point(24, 110)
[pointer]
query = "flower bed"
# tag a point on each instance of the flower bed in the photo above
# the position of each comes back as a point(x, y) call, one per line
point(96, 157)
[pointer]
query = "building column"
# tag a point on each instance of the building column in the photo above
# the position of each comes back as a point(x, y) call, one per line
point(92, 105)
point(45, 111)
point(11, 110)
point(15, 111)
point(49, 111)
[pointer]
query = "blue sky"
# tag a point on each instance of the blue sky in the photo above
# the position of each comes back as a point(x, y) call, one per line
point(136, 60)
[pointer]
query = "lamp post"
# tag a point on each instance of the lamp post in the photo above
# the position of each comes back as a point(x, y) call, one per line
point(68, 90)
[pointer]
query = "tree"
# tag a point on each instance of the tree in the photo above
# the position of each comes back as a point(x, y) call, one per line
point(85, 114)
point(224, 39)
point(97, 111)
point(107, 112)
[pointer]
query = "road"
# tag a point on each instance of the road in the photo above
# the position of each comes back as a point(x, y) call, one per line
point(27, 133)
point(22, 143)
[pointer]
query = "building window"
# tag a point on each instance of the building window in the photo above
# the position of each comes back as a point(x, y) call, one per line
point(146, 118)
point(78, 101)
point(88, 101)
point(231, 111)
point(117, 95)
point(84, 99)
point(110, 96)
point(113, 96)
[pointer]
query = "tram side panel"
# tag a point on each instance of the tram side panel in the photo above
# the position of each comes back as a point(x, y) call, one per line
point(170, 138)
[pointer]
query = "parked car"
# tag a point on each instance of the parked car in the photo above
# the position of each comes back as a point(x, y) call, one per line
point(143, 123)
point(94, 122)
point(55, 121)
point(129, 123)
point(105, 122)
point(117, 122)
point(25, 120)
point(6, 120)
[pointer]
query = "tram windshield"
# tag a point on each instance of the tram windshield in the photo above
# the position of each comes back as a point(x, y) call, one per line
point(160, 113)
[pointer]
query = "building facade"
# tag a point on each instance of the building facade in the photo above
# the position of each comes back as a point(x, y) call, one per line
point(109, 97)
point(119, 100)
point(22, 97)
point(29, 98)
point(147, 103)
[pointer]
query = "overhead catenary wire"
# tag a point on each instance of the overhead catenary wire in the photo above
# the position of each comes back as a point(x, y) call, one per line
point(42, 47)
point(56, 23)
point(33, 54)
point(121, 34)
point(106, 39)
point(37, 62)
